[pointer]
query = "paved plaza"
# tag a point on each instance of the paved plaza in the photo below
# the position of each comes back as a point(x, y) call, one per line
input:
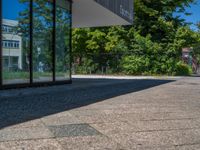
point(103, 113)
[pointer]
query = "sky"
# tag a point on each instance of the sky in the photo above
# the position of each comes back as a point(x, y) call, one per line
point(15, 8)
point(12, 13)
point(195, 17)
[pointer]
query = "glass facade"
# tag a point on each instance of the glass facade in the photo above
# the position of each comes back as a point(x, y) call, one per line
point(42, 41)
point(62, 46)
point(35, 42)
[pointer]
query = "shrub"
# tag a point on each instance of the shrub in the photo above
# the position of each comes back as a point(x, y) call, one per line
point(135, 65)
point(183, 69)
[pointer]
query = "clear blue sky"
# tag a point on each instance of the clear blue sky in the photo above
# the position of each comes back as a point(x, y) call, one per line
point(195, 17)
point(14, 8)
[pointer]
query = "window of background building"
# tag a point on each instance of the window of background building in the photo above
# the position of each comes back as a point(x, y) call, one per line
point(10, 44)
point(15, 35)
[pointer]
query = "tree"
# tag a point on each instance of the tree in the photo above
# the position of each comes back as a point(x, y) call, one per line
point(157, 36)
point(196, 46)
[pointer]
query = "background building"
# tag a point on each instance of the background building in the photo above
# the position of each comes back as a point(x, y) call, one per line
point(11, 46)
point(189, 58)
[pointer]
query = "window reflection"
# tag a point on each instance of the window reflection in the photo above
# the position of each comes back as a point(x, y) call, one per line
point(42, 41)
point(62, 40)
point(15, 42)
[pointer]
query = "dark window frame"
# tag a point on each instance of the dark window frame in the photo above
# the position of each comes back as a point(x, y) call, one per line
point(14, 43)
point(31, 83)
point(7, 29)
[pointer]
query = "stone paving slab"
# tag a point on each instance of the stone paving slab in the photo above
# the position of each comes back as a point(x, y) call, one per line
point(145, 126)
point(60, 119)
point(25, 134)
point(41, 144)
point(157, 139)
point(98, 114)
point(73, 130)
point(28, 124)
point(90, 143)
point(134, 117)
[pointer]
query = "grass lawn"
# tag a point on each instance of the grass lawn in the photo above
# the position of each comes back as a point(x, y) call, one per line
point(25, 75)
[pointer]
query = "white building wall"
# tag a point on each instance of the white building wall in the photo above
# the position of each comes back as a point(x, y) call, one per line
point(12, 52)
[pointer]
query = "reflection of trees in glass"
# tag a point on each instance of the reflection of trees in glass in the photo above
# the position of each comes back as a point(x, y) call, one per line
point(42, 20)
point(62, 39)
point(23, 30)
point(42, 35)
point(42, 31)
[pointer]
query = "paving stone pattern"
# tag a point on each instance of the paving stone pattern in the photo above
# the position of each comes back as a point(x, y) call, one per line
point(98, 114)
point(73, 130)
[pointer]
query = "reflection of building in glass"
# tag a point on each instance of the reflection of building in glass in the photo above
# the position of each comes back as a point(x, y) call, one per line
point(11, 46)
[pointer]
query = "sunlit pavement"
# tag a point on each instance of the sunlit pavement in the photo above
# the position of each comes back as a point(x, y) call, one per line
point(161, 113)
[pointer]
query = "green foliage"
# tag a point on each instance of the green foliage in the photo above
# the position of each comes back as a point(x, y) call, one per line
point(87, 67)
point(153, 45)
point(196, 46)
point(15, 75)
point(135, 65)
point(185, 37)
point(183, 69)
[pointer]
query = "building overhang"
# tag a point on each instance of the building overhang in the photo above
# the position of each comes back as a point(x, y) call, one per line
point(97, 13)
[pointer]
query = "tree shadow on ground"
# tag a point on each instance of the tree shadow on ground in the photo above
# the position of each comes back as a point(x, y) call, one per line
point(17, 106)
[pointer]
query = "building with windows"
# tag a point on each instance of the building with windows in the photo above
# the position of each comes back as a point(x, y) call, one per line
point(36, 36)
point(11, 46)
point(190, 59)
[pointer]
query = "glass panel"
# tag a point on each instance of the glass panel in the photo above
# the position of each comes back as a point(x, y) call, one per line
point(15, 41)
point(42, 40)
point(63, 18)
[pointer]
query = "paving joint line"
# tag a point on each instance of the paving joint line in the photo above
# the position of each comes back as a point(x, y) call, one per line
point(167, 130)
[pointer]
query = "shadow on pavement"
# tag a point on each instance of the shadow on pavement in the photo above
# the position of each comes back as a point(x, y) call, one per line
point(33, 103)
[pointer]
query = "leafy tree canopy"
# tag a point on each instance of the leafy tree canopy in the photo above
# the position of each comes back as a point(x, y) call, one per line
point(152, 45)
